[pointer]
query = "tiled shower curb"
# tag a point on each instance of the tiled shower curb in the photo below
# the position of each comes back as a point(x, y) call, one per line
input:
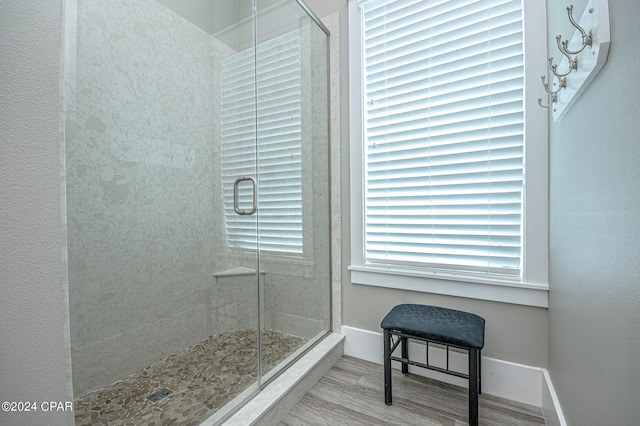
point(271, 405)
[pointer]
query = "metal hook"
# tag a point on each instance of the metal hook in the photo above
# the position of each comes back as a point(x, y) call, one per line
point(554, 99)
point(562, 83)
point(587, 38)
point(573, 63)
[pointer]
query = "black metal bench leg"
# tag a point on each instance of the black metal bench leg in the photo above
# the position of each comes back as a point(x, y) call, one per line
point(480, 372)
point(473, 386)
point(387, 366)
point(405, 354)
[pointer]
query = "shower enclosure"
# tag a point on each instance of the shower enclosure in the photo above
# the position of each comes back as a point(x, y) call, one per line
point(197, 172)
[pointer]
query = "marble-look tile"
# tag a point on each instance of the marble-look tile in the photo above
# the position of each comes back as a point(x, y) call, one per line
point(333, 24)
point(110, 359)
point(140, 196)
point(237, 300)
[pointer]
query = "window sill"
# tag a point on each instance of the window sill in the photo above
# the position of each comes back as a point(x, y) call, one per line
point(472, 288)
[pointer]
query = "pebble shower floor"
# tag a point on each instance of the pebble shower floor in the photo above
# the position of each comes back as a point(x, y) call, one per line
point(189, 386)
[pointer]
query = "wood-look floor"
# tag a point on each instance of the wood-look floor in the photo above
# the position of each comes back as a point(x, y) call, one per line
point(352, 393)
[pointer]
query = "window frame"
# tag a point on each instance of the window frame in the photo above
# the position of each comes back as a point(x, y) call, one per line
point(532, 288)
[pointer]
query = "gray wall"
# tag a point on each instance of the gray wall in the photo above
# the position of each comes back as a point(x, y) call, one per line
point(202, 12)
point(34, 348)
point(594, 337)
point(323, 8)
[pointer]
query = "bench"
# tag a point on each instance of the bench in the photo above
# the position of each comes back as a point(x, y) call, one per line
point(432, 324)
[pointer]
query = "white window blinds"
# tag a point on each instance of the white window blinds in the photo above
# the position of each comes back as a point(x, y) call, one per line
point(443, 134)
point(276, 156)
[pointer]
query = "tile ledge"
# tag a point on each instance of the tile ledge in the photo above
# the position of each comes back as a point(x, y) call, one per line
point(236, 272)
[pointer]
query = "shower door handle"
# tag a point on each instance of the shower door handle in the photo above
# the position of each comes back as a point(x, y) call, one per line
point(236, 202)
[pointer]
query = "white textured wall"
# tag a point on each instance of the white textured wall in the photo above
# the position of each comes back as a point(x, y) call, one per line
point(594, 332)
point(34, 348)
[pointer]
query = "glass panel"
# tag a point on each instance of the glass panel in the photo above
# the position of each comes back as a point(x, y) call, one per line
point(163, 311)
point(175, 111)
point(293, 181)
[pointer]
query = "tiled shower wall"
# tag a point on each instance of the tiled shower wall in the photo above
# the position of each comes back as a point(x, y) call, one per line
point(142, 164)
point(140, 156)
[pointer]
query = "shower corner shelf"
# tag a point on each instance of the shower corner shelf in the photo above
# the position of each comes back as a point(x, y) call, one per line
point(234, 272)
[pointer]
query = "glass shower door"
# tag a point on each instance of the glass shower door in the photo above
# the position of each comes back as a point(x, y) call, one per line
point(238, 292)
point(293, 181)
point(275, 167)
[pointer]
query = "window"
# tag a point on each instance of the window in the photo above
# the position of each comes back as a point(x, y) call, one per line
point(279, 151)
point(442, 151)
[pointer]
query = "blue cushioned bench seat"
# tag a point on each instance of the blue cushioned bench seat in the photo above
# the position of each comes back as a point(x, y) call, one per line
point(439, 325)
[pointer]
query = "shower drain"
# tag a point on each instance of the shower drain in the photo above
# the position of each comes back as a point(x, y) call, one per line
point(159, 394)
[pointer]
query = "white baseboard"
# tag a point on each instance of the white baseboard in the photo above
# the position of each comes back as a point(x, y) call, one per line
point(553, 415)
point(516, 382)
